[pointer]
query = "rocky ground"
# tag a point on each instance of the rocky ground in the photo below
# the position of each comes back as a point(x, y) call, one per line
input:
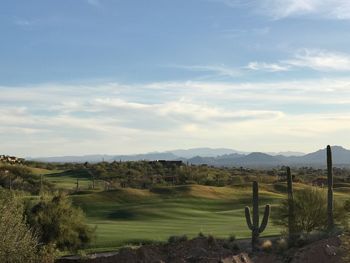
point(210, 250)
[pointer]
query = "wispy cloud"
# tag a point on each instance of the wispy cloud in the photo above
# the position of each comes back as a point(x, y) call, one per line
point(51, 119)
point(22, 22)
point(217, 70)
point(278, 9)
point(271, 67)
point(321, 60)
point(315, 59)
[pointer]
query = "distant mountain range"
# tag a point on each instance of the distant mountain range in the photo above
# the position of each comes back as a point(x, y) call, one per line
point(222, 157)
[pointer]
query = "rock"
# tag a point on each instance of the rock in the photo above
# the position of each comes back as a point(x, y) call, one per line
point(330, 250)
point(240, 258)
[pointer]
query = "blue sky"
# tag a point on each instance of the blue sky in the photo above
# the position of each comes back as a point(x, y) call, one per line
point(116, 76)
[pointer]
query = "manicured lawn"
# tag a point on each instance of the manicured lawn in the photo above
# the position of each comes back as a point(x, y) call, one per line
point(67, 180)
point(130, 216)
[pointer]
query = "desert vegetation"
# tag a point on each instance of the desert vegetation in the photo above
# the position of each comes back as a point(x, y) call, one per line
point(81, 208)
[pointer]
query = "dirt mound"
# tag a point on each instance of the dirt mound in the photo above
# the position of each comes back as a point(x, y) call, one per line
point(322, 251)
point(201, 249)
point(210, 250)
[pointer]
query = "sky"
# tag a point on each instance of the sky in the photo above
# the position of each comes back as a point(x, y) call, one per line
point(133, 76)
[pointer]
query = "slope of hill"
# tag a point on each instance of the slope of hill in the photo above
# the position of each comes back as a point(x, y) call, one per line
point(257, 159)
point(340, 156)
point(204, 152)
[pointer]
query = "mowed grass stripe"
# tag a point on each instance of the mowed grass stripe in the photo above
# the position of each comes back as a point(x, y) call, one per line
point(125, 216)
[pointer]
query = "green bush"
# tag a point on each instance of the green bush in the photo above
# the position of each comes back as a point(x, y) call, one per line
point(310, 206)
point(176, 239)
point(61, 224)
point(232, 238)
point(347, 205)
point(21, 178)
point(17, 242)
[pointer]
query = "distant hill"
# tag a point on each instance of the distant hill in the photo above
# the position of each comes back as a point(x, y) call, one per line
point(106, 158)
point(169, 155)
point(147, 156)
point(340, 156)
point(221, 157)
point(287, 154)
point(204, 152)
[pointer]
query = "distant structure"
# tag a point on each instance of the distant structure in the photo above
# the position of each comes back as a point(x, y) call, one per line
point(167, 163)
point(10, 159)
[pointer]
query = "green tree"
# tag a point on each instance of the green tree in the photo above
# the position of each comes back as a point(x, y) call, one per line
point(310, 211)
point(59, 222)
point(17, 242)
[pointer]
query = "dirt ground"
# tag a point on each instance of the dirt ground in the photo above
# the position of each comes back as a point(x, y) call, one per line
point(210, 250)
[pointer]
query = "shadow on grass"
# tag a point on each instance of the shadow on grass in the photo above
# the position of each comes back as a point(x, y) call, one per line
point(121, 214)
point(78, 173)
point(175, 190)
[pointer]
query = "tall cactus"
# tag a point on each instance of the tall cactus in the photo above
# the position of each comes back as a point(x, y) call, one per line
point(330, 189)
point(291, 213)
point(254, 226)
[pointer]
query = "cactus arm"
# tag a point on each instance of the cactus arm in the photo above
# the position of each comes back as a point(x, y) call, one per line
point(247, 217)
point(265, 219)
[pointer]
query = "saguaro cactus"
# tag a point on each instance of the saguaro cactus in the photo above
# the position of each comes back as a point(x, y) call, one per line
point(77, 183)
point(291, 213)
point(254, 226)
point(330, 188)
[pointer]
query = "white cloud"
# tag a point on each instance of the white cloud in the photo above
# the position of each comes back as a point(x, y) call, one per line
point(277, 9)
point(217, 70)
point(52, 119)
point(271, 67)
point(321, 60)
point(315, 59)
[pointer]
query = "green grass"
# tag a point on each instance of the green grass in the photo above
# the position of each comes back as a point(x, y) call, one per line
point(132, 216)
point(129, 216)
point(67, 180)
point(41, 171)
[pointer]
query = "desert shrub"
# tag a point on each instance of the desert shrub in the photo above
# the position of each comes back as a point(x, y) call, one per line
point(310, 211)
point(266, 246)
point(281, 245)
point(176, 239)
point(347, 205)
point(232, 238)
point(237, 180)
point(21, 178)
point(345, 247)
point(201, 234)
point(48, 253)
point(267, 179)
point(230, 245)
point(17, 242)
point(58, 222)
point(212, 241)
